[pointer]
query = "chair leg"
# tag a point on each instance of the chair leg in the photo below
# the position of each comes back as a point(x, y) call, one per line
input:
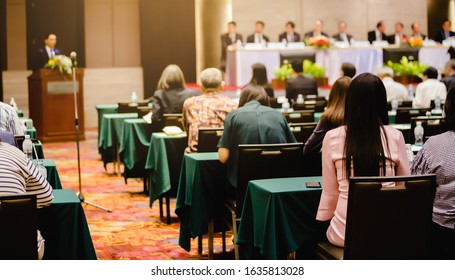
point(234, 231)
point(199, 244)
point(145, 184)
point(168, 209)
point(292, 256)
point(210, 232)
point(161, 206)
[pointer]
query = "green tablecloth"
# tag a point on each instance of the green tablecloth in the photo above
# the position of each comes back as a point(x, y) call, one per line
point(39, 150)
point(200, 196)
point(110, 134)
point(134, 146)
point(164, 159)
point(52, 174)
point(279, 216)
point(103, 109)
point(20, 113)
point(64, 227)
point(32, 132)
point(317, 116)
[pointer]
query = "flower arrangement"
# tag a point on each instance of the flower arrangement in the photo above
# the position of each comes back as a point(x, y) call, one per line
point(319, 42)
point(284, 72)
point(406, 67)
point(62, 63)
point(415, 42)
point(313, 69)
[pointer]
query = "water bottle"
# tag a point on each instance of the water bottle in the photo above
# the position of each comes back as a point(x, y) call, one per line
point(41, 168)
point(394, 104)
point(418, 134)
point(411, 92)
point(300, 99)
point(27, 147)
point(410, 154)
point(13, 104)
point(286, 105)
point(133, 99)
point(437, 104)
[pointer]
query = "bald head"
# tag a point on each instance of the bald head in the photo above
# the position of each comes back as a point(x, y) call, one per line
point(211, 78)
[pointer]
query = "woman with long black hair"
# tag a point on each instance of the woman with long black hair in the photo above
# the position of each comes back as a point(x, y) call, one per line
point(364, 146)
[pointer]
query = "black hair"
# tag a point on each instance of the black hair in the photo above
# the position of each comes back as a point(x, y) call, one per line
point(259, 74)
point(400, 23)
point(445, 20)
point(449, 109)
point(254, 92)
point(291, 23)
point(297, 65)
point(233, 23)
point(260, 22)
point(431, 73)
point(47, 35)
point(379, 24)
point(348, 69)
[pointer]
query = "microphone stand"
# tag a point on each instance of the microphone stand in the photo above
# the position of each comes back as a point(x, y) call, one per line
point(79, 193)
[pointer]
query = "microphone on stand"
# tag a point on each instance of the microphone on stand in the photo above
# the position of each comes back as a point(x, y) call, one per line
point(73, 56)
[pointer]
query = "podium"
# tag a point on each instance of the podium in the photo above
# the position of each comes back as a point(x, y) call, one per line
point(51, 104)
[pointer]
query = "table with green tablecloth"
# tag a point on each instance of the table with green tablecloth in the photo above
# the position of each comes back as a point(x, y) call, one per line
point(134, 146)
point(103, 109)
point(164, 159)
point(39, 150)
point(200, 196)
point(32, 132)
point(279, 216)
point(110, 134)
point(20, 113)
point(64, 227)
point(52, 174)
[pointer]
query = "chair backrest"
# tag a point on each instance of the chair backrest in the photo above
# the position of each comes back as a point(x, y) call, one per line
point(208, 139)
point(316, 105)
point(18, 234)
point(7, 137)
point(128, 107)
point(401, 104)
point(431, 126)
point(143, 110)
point(389, 222)
point(173, 120)
point(302, 131)
point(274, 103)
point(404, 114)
point(304, 116)
point(265, 161)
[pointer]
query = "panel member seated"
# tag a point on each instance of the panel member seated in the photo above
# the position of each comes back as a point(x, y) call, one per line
point(445, 31)
point(258, 36)
point(228, 39)
point(399, 36)
point(252, 123)
point(300, 84)
point(377, 34)
point(429, 89)
point(289, 35)
point(47, 52)
point(342, 35)
point(415, 27)
point(317, 30)
point(207, 110)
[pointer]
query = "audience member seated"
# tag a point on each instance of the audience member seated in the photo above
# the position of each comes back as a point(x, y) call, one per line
point(332, 117)
point(254, 122)
point(394, 90)
point(258, 36)
point(300, 84)
point(429, 89)
point(342, 36)
point(228, 39)
point(289, 35)
point(260, 78)
point(348, 70)
point(445, 32)
point(170, 94)
point(449, 75)
point(415, 27)
point(436, 157)
point(377, 34)
point(364, 146)
point(19, 175)
point(9, 121)
point(207, 110)
point(399, 37)
point(317, 30)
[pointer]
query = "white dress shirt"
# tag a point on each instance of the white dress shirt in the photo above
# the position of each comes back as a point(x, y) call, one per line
point(50, 52)
point(427, 91)
point(379, 35)
point(258, 38)
point(344, 37)
point(395, 90)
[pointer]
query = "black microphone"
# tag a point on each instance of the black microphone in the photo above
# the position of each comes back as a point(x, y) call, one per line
point(73, 56)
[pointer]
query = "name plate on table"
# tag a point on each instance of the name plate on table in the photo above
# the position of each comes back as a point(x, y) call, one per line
point(61, 87)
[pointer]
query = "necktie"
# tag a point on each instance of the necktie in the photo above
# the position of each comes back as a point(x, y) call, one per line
point(52, 53)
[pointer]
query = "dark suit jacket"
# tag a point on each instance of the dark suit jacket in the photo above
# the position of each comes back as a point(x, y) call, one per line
point(449, 81)
point(311, 34)
point(338, 37)
point(391, 38)
point(250, 39)
point(440, 36)
point(284, 36)
point(226, 42)
point(372, 36)
point(300, 85)
point(42, 58)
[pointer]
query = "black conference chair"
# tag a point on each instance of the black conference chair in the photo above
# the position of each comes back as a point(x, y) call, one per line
point(431, 126)
point(305, 116)
point(316, 105)
point(404, 114)
point(173, 120)
point(302, 131)
point(401, 104)
point(386, 223)
point(274, 103)
point(18, 234)
point(128, 107)
point(208, 139)
point(262, 161)
point(143, 110)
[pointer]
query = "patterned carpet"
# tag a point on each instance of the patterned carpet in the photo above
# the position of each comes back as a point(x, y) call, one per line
point(132, 230)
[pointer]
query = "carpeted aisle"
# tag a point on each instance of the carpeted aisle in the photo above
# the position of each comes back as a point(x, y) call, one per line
point(132, 230)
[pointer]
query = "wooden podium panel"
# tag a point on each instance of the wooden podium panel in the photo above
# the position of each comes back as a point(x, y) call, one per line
point(51, 105)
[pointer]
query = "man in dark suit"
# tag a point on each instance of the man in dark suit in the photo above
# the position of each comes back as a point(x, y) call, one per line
point(377, 34)
point(449, 75)
point(228, 39)
point(415, 26)
point(289, 35)
point(317, 30)
point(258, 36)
point(342, 36)
point(300, 84)
point(49, 51)
point(399, 36)
point(445, 32)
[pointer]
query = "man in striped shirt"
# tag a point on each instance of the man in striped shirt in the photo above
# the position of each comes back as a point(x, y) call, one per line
point(19, 175)
point(9, 120)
